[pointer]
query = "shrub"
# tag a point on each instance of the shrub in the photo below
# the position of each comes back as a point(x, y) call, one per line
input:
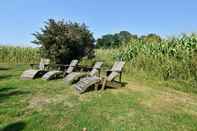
point(109, 41)
point(63, 41)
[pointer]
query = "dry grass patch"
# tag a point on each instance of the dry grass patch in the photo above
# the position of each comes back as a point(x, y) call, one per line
point(40, 102)
point(164, 99)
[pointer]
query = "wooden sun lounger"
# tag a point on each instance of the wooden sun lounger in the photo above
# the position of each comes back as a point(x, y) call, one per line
point(57, 73)
point(116, 71)
point(87, 82)
point(35, 73)
point(75, 76)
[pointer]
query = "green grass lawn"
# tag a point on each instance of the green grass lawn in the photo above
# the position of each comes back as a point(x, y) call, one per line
point(51, 105)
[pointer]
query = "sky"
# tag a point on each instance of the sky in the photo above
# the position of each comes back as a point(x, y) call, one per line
point(20, 18)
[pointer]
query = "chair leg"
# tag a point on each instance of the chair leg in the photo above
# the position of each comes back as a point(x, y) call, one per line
point(96, 87)
point(104, 83)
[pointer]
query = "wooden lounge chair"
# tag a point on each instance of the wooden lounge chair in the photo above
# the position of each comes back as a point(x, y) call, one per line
point(109, 80)
point(35, 73)
point(57, 73)
point(116, 71)
point(75, 76)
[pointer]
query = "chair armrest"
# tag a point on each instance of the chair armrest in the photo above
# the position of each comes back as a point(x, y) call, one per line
point(55, 66)
point(109, 71)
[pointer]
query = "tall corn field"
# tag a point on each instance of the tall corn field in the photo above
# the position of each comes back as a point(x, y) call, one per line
point(19, 55)
point(174, 58)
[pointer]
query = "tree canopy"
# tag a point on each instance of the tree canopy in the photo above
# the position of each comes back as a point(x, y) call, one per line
point(63, 41)
point(114, 40)
point(123, 37)
point(151, 38)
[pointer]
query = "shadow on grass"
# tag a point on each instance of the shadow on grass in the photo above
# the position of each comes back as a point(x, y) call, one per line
point(5, 68)
point(6, 89)
point(5, 93)
point(5, 77)
point(92, 88)
point(18, 126)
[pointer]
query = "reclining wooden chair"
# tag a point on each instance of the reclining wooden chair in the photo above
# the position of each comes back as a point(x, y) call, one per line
point(57, 73)
point(35, 73)
point(109, 80)
point(116, 71)
point(75, 76)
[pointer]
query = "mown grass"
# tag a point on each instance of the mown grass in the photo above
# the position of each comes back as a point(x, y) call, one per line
point(51, 105)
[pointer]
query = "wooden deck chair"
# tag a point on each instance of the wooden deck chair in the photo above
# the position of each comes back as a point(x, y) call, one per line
point(75, 76)
point(87, 82)
point(35, 73)
point(116, 71)
point(57, 73)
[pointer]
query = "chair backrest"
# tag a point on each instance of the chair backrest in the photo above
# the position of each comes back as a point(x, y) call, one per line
point(72, 65)
point(96, 68)
point(43, 62)
point(116, 70)
point(118, 66)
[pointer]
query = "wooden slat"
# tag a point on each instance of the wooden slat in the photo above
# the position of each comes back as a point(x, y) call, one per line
point(69, 70)
point(112, 76)
point(98, 65)
point(96, 68)
point(118, 66)
point(74, 63)
point(93, 72)
point(73, 77)
point(51, 75)
point(43, 62)
point(29, 74)
point(113, 84)
point(85, 83)
point(72, 66)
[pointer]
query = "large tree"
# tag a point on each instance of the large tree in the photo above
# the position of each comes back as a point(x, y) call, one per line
point(114, 40)
point(151, 38)
point(63, 41)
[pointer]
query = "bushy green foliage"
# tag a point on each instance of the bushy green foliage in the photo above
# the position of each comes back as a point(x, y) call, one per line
point(174, 58)
point(114, 40)
point(151, 38)
point(121, 39)
point(63, 41)
point(19, 55)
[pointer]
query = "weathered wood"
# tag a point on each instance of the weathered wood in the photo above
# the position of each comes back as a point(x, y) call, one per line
point(113, 84)
point(52, 74)
point(98, 65)
point(71, 67)
point(112, 74)
point(118, 66)
point(57, 73)
point(109, 80)
point(75, 76)
point(31, 74)
point(43, 63)
point(85, 83)
point(93, 72)
point(96, 69)
point(74, 62)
